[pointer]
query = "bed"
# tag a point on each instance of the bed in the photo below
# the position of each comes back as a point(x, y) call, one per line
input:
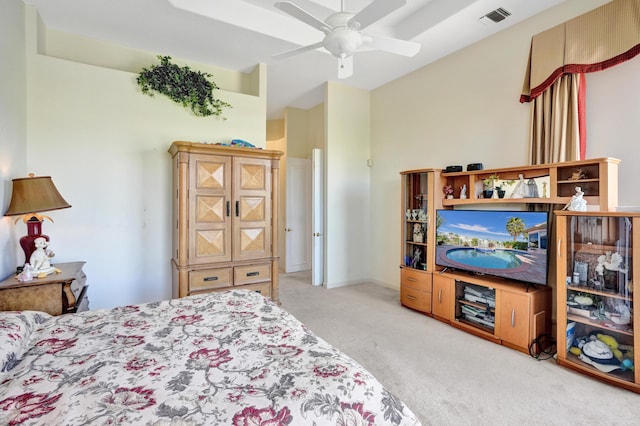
point(230, 358)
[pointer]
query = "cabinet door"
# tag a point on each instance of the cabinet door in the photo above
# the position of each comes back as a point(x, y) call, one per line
point(442, 305)
point(596, 322)
point(514, 318)
point(252, 208)
point(209, 209)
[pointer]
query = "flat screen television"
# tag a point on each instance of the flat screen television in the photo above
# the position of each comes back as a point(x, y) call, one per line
point(506, 244)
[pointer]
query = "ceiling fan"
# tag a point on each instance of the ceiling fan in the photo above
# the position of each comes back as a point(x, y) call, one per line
point(343, 36)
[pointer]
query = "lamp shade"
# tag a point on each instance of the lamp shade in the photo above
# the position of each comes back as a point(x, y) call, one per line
point(35, 194)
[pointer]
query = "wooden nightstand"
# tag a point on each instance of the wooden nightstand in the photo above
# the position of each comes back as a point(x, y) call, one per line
point(56, 294)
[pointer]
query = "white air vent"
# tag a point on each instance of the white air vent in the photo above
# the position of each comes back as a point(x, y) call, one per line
point(495, 16)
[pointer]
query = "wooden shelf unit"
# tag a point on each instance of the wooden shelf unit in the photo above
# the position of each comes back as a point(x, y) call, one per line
point(420, 194)
point(583, 237)
point(435, 293)
point(600, 183)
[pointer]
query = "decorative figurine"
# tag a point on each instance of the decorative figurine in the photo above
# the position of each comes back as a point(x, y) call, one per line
point(40, 257)
point(532, 189)
point(407, 214)
point(577, 202)
point(520, 190)
point(544, 189)
point(26, 274)
point(578, 174)
point(416, 257)
point(418, 233)
point(463, 192)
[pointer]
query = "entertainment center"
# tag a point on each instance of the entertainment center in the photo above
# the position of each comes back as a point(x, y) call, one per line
point(511, 308)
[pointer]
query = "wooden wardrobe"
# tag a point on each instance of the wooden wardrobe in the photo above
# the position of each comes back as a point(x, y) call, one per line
point(225, 211)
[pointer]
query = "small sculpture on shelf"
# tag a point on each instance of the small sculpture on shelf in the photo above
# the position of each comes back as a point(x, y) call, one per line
point(463, 192)
point(415, 261)
point(418, 233)
point(422, 215)
point(520, 191)
point(577, 202)
point(532, 189)
point(609, 266)
point(407, 214)
point(578, 174)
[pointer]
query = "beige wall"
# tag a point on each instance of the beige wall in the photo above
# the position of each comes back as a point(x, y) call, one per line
point(347, 185)
point(275, 129)
point(105, 145)
point(13, 123)
point(465, 108)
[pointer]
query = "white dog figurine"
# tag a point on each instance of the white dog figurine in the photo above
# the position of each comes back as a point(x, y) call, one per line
point(40, 257)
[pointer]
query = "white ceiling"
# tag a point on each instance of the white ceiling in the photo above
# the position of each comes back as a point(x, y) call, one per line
point(238, 34)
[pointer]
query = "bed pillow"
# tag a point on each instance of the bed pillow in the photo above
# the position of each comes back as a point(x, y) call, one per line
point(15, 332)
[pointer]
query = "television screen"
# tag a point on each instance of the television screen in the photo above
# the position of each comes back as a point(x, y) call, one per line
point(507, 244)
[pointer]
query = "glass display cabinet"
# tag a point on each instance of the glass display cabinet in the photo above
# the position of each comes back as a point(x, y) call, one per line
point(420, 199)
point(595, 290)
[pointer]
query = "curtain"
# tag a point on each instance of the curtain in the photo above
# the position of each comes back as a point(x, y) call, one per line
point(556, 122)
point(554, 81)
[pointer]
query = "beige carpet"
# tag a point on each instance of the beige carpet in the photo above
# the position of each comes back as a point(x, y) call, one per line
point(447, 376)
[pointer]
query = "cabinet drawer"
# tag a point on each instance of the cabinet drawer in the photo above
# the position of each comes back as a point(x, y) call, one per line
point(415, 299)
point(251, 274)
point(417, 280)
point(209, 279)
point(262, 288)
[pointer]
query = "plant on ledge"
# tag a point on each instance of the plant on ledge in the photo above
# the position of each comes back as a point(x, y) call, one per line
point(190, 88)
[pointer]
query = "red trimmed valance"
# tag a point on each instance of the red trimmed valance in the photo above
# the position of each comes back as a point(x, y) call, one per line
point(602, 38)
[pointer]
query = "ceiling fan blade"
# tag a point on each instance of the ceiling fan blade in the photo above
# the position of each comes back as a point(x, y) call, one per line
point(376, 10)
point(302, 15)
point(345, 67)
point(289, 53)
point(391, 45)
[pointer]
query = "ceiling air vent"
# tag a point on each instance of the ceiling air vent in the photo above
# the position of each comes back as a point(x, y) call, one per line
point(495, 16)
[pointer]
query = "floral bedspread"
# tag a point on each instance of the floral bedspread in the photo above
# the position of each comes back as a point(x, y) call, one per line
point(232, 358)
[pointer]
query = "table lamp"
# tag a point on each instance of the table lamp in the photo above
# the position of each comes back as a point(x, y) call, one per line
point(30, 196)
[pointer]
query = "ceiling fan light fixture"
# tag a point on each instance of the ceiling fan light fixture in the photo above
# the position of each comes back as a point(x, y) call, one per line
point(343, 42)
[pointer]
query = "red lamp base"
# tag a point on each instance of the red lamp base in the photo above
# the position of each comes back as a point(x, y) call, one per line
point(34, 229)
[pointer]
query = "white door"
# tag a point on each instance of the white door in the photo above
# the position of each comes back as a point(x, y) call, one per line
point(298, 217)
point(317, 267)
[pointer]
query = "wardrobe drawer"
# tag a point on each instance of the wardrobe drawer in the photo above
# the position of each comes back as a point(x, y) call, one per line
point(206, 279)
point(251, 274)
point(262, 288)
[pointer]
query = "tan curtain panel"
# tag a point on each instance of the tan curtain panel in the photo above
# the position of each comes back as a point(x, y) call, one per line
point(555, 131)
point(602, 38)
